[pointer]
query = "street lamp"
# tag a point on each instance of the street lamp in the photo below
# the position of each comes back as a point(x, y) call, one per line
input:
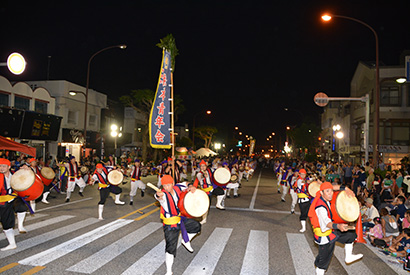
point(328, 17)
point(15, 63)
point(122, 46)
point(115, 132)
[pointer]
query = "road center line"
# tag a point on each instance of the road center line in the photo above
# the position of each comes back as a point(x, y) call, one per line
point(252, 205)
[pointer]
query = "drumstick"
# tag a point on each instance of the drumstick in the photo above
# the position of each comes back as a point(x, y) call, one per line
point(153, 186)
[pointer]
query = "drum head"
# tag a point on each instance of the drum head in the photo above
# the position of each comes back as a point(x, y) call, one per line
point(22, 180)
point(222, 175)
point(313, 187)
point(347, 208)
point(196, 204)
point(48, 173)
point(234, 178)
point(115, 177)
point(84, 169)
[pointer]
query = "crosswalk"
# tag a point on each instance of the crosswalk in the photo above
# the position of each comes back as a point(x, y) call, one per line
point(210, 248)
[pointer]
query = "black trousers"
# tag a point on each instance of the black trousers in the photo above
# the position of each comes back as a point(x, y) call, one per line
point(7, 216)
point(304, 210)
point(19, 205)
point(105, 192)
point(326, 251)
point(172, 233)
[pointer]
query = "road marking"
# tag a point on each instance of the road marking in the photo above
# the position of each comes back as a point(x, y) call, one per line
point(28, 243)
point(136, 211)
point(151, 261)
point(102, 257)
point(35, 216)
point(252, 205)
point(256, 260)
point(58, 251)
point(357, 267)
point(63, 204)
point(207, 258)
point(146, 214)
point(7, 267)
point(258, 210)
point(41, 224)
point(34, 270)
point(302, 256)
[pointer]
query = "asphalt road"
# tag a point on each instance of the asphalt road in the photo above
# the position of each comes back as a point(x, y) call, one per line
point(256, 234)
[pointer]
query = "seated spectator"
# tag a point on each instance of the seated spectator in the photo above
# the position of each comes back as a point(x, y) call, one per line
point(386, 192)
point(406, 220)
point(376, 232)
point(401, 244)
point(389, 224)
point(370, 214)
point(400, 209)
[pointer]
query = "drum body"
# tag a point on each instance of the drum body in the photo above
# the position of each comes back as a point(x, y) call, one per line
point(47, 175)
point(344, 209)
point(313, 187)
point(193, 205)
point(115, 177)
point(222, 176)
point(27, 184)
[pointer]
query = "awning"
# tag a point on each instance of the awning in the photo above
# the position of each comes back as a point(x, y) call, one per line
point(7, 144)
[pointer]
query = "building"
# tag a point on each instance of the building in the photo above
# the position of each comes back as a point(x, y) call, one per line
point(394, 126)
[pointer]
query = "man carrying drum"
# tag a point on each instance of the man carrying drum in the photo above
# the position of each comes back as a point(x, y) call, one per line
point(301, 187)
point(6, 207)
point(171, 218)
point(73, 178)
point(326, 232)
point(101, 177)
point(136, 181)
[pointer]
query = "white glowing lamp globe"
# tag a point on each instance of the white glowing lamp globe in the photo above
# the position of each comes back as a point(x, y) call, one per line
point(339, 135)
point(16, 63)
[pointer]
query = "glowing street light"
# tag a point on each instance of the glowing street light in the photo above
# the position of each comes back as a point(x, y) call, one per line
point(339, 135)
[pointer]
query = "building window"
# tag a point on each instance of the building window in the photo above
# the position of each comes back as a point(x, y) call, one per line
point(72, 117)
point(21, 103)
point(390, 96)
point(92, 120)
point(4, 99)
point(41, 107)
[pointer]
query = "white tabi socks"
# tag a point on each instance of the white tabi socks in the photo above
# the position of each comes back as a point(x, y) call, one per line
point(320, 271)
point(303, 223)
point(117, 199)
point(219, 200)
point(10, 237)
point(44, 200)
point(33, 206)
point(187, 245)
point(100, 211)
point(349, 256)
point(169, 261)
point(20, 220)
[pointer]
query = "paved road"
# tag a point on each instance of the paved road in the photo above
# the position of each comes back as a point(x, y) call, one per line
point(255, 235)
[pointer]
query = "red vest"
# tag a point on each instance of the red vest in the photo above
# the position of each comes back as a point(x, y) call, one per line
point(101, 178)
point(314, 220)
point(173, 209)
point(3, 187)
point(136, 175)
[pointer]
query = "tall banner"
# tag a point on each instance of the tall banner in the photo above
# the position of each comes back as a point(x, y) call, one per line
point(252, 147)
point(159, 119)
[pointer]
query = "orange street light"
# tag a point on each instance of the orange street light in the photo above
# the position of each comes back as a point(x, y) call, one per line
point(208, 112)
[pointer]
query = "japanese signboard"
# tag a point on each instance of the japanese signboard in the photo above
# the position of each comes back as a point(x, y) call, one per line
point(159, 120)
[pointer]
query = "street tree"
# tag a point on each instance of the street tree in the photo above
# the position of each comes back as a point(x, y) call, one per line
point(305, 136)
point(206, 133)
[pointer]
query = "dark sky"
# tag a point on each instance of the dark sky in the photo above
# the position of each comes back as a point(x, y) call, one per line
point(244, 60)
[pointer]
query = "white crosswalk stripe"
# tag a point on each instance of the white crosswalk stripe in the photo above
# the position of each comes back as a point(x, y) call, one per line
point(357, 268)
point(107, 254)
point(256, 260)
point(41, 224)
point(207, 258)
point(56, 252)
point(303, 262)
point(32, 242)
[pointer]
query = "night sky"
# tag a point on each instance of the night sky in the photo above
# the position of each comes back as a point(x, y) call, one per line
point(244, 60)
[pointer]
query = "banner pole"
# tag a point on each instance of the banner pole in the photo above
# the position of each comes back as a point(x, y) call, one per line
point(172, 126)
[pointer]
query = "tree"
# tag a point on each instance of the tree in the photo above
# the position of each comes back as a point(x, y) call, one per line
point(206, 133)
point(305, 136)
point(168, 43)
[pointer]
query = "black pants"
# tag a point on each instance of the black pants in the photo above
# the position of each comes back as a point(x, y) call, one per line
point(7, 216)
point(105, 192)
point(304, 210)
point(326, 251)
point(172, 233)
point(19, 205)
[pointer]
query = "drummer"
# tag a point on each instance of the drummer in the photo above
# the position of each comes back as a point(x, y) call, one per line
point(73, 178)
point(136, 181)
point(233, 184)
point(170, 215)
point(6, 208)
point(284, 182)
point(37, 170)
point(101, 177)
point(326, 232)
